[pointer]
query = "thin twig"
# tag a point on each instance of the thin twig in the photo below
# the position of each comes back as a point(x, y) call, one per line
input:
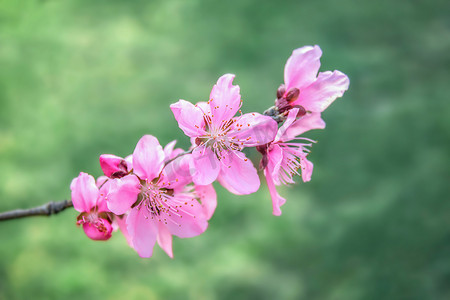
point(47, 209)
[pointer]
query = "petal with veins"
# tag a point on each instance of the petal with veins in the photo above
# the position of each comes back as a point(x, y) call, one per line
point(84, 192)
point(206, 166)
point(252, 129)
point(225, 99)
point(302, 67)
point(238, 174)
point(189, 118)
point(148, 158)
point(322, 92)
point(164, 239)
point(277, 200)
point(208, 197)
point(142, 231)
point(123, 194)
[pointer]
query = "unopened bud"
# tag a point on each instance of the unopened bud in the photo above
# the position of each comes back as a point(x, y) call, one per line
point(113, 166)
point(98, 230)
point(292, 94)
point(280, 92)
point(301, 110)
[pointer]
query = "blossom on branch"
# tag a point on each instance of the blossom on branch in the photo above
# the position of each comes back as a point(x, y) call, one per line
point(90, 202)
point(286, 155)
point(304, 88)
point(157, 199)
point(219, 137)
point(158, 192)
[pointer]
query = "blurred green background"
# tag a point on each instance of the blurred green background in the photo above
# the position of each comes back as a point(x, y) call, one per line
point(79, 78)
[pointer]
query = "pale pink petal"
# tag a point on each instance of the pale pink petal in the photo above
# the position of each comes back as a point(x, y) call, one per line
point(253, 129)
point(122, 222)
point(307, 168)
point(205, 167)
point(129, 160)
point(142, 230)
point(224, 99)
point(113, 166)
point(189, 118)
point(292, 116)
point(164, 239)
point(204, 107)
point(123, 194)
point(308, 122)
point(177, 173)
point(208, 197)
point(104, 190)
point(238, 174)
point(302, 67)
point(274, 158)
point(168, 149)
point(148, 158)
point(183, 216)
point(321, 93)
point(277, 200)
point(84, 192)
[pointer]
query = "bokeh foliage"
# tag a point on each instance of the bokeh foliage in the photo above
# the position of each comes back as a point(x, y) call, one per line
point(79, 78)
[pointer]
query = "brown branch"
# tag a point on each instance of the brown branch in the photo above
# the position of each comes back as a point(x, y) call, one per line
point(47, 209)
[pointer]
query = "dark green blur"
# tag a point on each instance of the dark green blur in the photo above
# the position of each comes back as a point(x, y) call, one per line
point(80, 78)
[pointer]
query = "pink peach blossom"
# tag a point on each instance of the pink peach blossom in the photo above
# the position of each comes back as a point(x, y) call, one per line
point(220, 137)
point(304, 87)
point(157, 200)
point(90, 202)
point(286, 156)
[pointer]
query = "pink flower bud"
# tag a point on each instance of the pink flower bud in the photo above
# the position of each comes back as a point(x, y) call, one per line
point(292, 94)
point(98, 230)
point(113, 166)
point(281, 90)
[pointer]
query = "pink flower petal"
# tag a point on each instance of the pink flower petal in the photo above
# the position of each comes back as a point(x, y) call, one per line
point(307, 122)
point(84, 192)
point(148, 158)
point(253, 129)
point(302, 67)
point(189, 118)
point(176, 173)
point(123, 194)
point(275, 158)
point(321, 93)
point(168, 149)
point(143, 231)
point(208, 197)
point(238, 175)
point(104, 190)
point(122, 223)
point(292, 116)
point(277, 200)
point(164, 239)
point(307, 168)
point(206, 166)
point(129, 160)
point(188, 219)
point(225, 99)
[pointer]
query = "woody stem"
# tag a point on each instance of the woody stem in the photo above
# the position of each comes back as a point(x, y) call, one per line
point(50, 208)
